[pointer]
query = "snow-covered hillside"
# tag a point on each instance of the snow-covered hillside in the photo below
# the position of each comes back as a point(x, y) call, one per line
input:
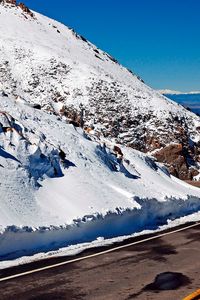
point(57, 179)
point(46, 63)
point(62, 184)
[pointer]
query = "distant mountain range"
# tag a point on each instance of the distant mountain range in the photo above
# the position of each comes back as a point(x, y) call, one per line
point(171, 92)
point(190, 101)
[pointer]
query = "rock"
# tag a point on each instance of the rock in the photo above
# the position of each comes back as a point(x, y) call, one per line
point(169, 153)
point(118, 151)
point(20, 5)
point(37, 106)
point(25, 9)
point(13, 2)
point(175, 157)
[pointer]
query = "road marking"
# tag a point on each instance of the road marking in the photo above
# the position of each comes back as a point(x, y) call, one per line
point(193, 296)
point(97, 254)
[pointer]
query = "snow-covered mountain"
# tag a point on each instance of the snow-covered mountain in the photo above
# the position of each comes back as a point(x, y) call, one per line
point(172, 92)
point(60, 185)
point(169, 92)
point(45, 63)
point(61, 182)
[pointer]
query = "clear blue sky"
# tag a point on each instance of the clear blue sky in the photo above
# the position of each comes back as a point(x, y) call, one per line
point(158, 39)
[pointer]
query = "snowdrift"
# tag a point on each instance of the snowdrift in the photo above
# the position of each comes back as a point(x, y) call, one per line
point(22, 241)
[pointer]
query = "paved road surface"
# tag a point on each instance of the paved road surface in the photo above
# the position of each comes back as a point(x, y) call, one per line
point(125, 274)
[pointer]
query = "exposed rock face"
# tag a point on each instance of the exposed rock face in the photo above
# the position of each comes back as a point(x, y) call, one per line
point(173, 157)
point(181, 158)
point(21, 5)
point(178, 160)
point(143, 130)
point(25, 9)
point(13, 2)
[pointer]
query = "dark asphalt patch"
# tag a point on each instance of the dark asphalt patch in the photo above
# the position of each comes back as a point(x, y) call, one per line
point(164, 282)
point(168, 281)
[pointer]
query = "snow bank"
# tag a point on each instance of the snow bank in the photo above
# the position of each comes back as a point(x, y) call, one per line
point(16, 242)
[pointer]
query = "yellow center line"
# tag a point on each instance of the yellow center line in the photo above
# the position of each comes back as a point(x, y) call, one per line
point(193, 296)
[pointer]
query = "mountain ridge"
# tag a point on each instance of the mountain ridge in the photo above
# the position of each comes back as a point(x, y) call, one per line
point(171, 92)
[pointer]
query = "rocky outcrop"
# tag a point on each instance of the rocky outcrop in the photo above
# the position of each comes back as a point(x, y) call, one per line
point(168, 140)
point(177, 159)
point(13, 2)
point(25, 9)
point(21, 5)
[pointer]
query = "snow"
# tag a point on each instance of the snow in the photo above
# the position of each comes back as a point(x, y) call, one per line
point(47, 201)
point(76, 249)
point(92, 193)
point(171, 92)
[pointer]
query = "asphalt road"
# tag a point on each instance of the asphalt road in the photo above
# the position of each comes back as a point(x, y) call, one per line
point(167, 267)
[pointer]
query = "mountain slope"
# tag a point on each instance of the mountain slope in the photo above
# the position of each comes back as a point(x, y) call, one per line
point(61, 183)
point(46, 63)
point(59, 186)
point(44, 159)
